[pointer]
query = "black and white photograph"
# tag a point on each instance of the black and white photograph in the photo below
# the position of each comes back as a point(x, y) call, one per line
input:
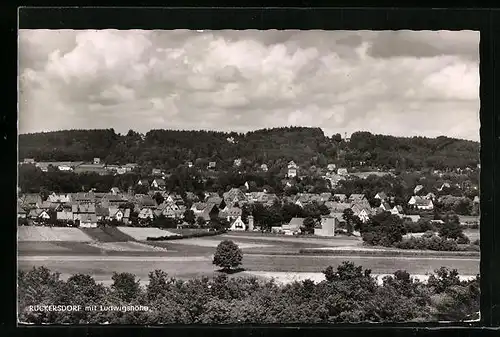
point(248, 177)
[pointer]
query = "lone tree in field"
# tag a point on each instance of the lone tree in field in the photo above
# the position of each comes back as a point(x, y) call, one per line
point(228, 255)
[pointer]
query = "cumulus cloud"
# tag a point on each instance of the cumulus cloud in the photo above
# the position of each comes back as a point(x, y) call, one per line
point(400, 83)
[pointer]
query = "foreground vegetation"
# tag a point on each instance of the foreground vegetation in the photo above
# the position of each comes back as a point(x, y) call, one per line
point(348, 294)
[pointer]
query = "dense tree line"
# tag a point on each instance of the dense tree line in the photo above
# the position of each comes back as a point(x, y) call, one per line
point(33, 180)
point(385, 229)
point(275, 147)
point(348, 294)
point(413, 153)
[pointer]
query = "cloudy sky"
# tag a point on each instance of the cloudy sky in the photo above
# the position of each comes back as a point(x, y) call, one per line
point(400, 83)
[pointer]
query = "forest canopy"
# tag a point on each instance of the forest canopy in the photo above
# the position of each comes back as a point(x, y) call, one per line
point(275, 147)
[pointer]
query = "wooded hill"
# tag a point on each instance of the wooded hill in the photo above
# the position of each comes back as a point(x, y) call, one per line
point(274, 147)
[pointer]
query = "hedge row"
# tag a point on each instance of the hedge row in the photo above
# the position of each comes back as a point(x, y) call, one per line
point(381, 252)
point(184, 236)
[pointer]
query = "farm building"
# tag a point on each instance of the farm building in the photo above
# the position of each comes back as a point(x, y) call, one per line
point(326, 227)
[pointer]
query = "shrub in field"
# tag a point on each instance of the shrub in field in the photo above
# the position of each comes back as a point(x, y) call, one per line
point(164, 222)
point(428, 234)
point(227, 255)
point(451, 228)
point(384, 229)
point(420, 226)
point(308, 225)
point(22, 222)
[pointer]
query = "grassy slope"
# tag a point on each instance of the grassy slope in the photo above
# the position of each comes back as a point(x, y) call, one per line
point(107, 234)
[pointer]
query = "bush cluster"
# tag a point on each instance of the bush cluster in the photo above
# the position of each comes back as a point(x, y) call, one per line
point(419, 226)
point(428, 243)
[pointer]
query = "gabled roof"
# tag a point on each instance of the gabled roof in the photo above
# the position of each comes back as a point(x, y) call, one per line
point(101, 211)
point(340, 196)
point(423, 202)
point(325, 196)
point(294, 224)
point(83, 208)
point(337, 206)
point(207, 211)
point(83, 196)
point(233, 211)
point(191, 196)
point(145, 210)
point(114, 197)
point(358, 208)
point(88, 217)
point(214, 200)
point(237, 219)
point(61, 198)
point(414, 218)
point(199, 206)
point(143, 200)
point(385, 205)
point(36, 212)
point(234, 193)
point(159, 182)
point(48, 205)
point(20, 208)
point(31, 198)
point(356, 196)
point(418, 188)
point(114, 210)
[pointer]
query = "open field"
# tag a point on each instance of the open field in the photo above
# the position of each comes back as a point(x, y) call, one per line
point(107, 234)
point(333, 241)
point(41, 234)
point(41, 247)
point(141, 234)
point(187, 258)
point(126, 246)
point(191, 266)
point(34, 249)
point(213, 242)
